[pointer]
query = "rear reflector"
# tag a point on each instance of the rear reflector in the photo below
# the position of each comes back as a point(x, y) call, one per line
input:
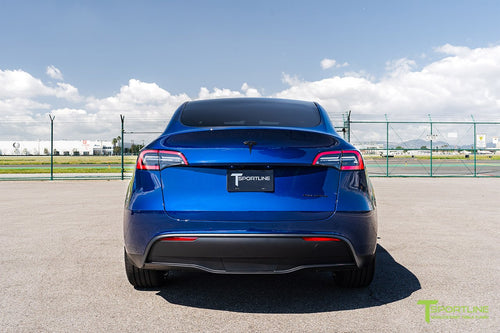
point(321, 239)
point(152, 159)
point(179, 239)
point(342, 160)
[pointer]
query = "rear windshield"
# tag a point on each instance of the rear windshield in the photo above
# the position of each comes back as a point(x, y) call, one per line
point(282, 113)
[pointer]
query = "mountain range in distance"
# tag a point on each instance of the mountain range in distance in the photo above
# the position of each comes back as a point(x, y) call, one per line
point(419, 143)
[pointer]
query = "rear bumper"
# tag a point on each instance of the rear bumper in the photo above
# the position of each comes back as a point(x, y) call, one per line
point(246, 247)
point(248, 254)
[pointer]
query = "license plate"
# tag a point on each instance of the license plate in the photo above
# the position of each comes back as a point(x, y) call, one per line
point(250, 180)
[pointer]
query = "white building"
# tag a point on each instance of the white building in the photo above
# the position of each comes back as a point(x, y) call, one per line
point(61, 147)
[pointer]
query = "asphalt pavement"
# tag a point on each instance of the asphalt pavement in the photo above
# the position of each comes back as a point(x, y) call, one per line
point(62, 268)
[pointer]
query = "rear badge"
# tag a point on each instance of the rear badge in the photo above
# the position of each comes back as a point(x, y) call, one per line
point(250, 181)
point(250, 144)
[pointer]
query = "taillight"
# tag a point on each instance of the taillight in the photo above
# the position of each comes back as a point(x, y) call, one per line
point(342, 160)
point(152, 159)
point(178, 239)
point(352, 160)
point(321, 239)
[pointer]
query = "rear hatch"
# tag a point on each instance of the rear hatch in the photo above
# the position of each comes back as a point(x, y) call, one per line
point(249, 175)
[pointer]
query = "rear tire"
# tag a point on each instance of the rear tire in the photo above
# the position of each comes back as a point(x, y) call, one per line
point(356, 278)
point(143, 278)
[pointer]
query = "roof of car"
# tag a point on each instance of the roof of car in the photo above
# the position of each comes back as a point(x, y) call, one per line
point(250, 102)
point(250, 112)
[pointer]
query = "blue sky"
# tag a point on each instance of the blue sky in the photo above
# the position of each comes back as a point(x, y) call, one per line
point(183, 45)
point(94, 60)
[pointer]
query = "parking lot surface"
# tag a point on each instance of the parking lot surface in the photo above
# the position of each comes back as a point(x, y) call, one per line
point(62, 268)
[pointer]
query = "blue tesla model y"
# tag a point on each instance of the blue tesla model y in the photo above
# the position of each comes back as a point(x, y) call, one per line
point(250, 185)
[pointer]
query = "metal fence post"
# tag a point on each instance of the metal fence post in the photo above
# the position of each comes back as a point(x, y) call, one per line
point(430, 122)
point(122, 118)
point(475, 146)
point(386, 146)
point(343, 126)
point(51, 146)
point(349, 126)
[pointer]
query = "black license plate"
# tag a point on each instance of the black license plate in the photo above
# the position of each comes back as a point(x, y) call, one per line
point(250, 180)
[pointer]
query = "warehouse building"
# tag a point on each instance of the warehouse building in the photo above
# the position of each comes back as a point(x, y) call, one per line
point(61, 147)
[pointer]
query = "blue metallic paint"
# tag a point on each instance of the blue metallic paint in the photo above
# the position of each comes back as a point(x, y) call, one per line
point(183, 200)
point(357, 228)
point(298, 189)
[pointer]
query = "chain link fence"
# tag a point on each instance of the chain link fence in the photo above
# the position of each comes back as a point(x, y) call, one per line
point(428, 148)
point(76, 148)
point(56, 148)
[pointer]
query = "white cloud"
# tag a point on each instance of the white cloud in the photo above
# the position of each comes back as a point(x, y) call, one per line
point(68, 113)
point(18, 108)
point(360, 74)
point(67, 91)
point(145, 104)
point(400, 66)
point(463, 82)
point(18, 83)
point(290, 80)
point(137, 97)
point(54, 73)
point(329, 63)
point(249, 91)
point(25, 102)
point(246, 91)
point(452, 87)
point(453, 50)
point(205, 93)
point(74, 123)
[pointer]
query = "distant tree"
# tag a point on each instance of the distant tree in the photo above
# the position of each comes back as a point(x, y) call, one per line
point(401, 148)
point(134, 149)
point(45, 151)
point(423, 147)
point(117, 145)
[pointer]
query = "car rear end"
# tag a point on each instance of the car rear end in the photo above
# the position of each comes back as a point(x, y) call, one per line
point(250, 194)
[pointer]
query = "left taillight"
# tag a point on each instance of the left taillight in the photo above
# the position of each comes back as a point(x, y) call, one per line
point(342, 160)
point(178, 239)
point(152, 159)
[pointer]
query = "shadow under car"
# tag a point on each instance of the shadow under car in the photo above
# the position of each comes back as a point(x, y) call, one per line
point(300, 292)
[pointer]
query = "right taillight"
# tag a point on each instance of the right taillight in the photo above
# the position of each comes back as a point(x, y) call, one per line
point(342, 160)
point(152, 159)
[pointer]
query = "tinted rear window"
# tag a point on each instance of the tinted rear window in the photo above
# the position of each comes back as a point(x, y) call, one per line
point(253, 112)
